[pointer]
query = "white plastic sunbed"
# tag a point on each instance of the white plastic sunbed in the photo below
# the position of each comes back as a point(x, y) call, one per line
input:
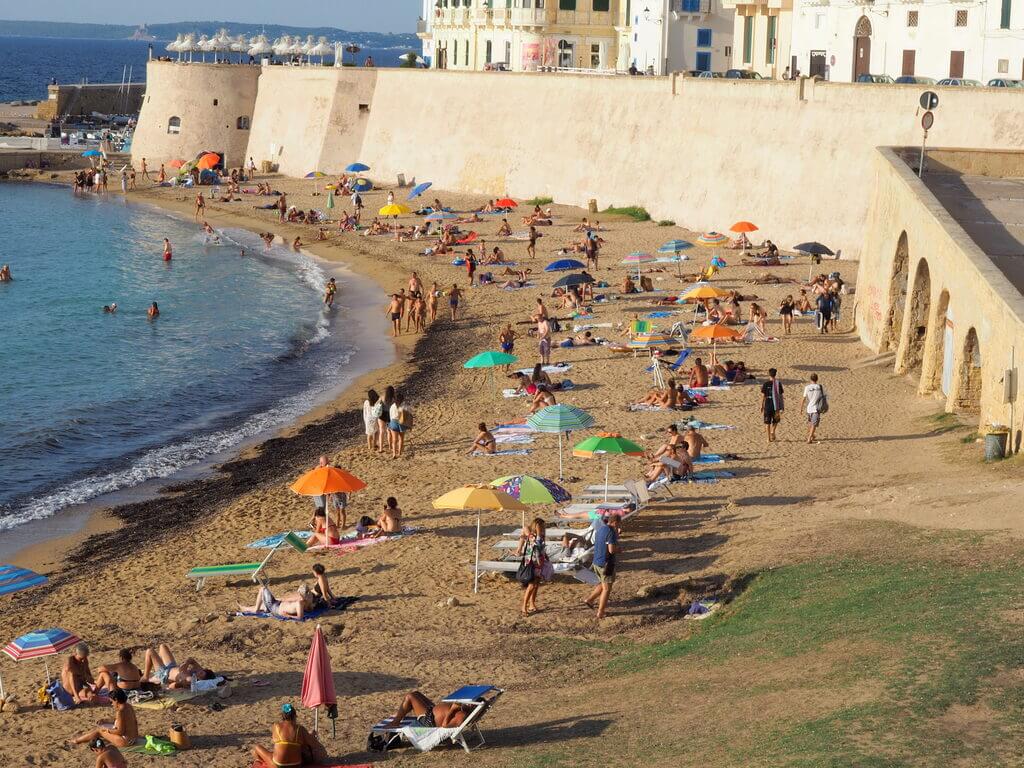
point(478, 698)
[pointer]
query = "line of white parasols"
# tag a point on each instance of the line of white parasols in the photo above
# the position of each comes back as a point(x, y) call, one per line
point(222, 46)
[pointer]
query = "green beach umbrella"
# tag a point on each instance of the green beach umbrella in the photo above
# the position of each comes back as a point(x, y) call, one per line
point(330, 200)
point(530, 489)
point(560, 418)
point(606, 444)
point(490, 360)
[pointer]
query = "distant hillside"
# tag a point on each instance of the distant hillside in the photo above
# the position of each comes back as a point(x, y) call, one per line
point(170, 31)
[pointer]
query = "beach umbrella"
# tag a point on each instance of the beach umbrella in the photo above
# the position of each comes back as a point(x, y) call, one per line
point(176, 163)
point(814, 248)
point(362, 185)
point(648, 340)
point(561, 419)
point(573, 280)
point(40, 644)
point(704, 291)
point(324, 480)
point(606, 444)
point(712, 238)
point(356, 168)
point(318, 680)
point(419, 189)
point(714, 334)
point(14, 579)
point(330, 200)
point(207, 161)
point(530, 489)
point(314, 175)
point(175, 45)
point(563, 265)
point(638, 258)
point(506, 202)
point(490, 360)
point(676, 247)
point(743, 226)
point(261, 47)
point(441, 216)
point(393, 209)
point(478, 498)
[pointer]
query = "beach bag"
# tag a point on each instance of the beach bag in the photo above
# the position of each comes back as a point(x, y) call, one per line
point(823, 402)
point(178, 736)
point(60, 699)
point(547, 570)
point(525, 573)
point(405, 418)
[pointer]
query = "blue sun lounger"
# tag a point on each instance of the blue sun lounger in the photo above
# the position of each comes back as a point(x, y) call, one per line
point(477, 698)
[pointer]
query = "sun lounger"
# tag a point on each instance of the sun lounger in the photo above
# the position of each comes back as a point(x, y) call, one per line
point(252, 570)
point(479, 698)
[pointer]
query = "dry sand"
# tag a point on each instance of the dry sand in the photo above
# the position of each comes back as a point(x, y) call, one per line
point(881, 458)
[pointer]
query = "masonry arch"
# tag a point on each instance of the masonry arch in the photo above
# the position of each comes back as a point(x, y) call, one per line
point(862, 48)
point(915, 321)
point(898, 283)
point(174, 125)
point(937, 365)
point(968, 391)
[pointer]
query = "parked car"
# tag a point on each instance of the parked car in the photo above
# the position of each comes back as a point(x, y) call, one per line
point(1004, 82)
point(882, 79)
point(709, 75)
point(915, 80)
point(959, 81)
point(742, 74)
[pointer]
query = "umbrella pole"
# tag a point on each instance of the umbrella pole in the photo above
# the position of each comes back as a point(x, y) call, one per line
point(316, 720)
point(476, 564)
point(606, 478)
point(559, 455)
point(3, 693)
point(46, 667)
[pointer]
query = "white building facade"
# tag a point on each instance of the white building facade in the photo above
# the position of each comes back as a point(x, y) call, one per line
point(973, 40)
point(762, 33)
point(663, 36)
point(423, 31)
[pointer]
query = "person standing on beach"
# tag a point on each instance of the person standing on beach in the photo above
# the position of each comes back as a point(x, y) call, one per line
point(168, 254)
point(162, 177)
point(544, 340)
point(124, 181)
point(252, 168)
point(282, 206)
point(606, 547)
point(531, 248)
point(432, 302)
point(817, 404)
point(384, 419)
point(145, 170)
point(415, 284)
point(470, 265)
point(200, 205)
point(394, 311)
point(332, 288)
point(772, 404)
point(590, 248)
point(453, 300)
point(371, 413)
point(131, 179)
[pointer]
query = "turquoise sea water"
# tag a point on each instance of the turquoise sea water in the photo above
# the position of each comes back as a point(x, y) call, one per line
point(92, 403)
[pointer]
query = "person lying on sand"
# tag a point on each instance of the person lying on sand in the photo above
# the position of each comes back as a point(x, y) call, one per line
point(430, 715)
point(122, 674)
point(763, 261)
point(121, 733)
point(289, 607)
point(484, 442)
point(663, 398)
point(293, 745)
point(161, 668)
point(76, 677)
point(767, 279)
point(473, 218)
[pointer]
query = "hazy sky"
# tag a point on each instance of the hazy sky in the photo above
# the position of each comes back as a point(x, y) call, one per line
point(356, 15)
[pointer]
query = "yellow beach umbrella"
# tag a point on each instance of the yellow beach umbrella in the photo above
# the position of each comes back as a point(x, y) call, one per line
point(478, 497)
point(704, 292)
point(394, 209)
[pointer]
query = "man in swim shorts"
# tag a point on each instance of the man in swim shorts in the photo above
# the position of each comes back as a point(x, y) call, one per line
point(161, 668)
point(429, 714)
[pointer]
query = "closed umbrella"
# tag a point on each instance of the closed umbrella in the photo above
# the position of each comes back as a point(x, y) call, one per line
point(563, 265)
point(419, 189)
point(478, 498)
point(606, 444)
point(330, 200)
point(318, 680)
point(561, 419)
point(356, 168)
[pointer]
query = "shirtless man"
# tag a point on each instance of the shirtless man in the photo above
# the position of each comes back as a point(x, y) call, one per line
point(544, 339)
point(698, 374)
point(504, 230)
point(160, 668)
point(695, 442)
point(145, 170)
point(531, 248)
point(454, 295)
point(484, 442)
point(394, 311)
point(122, 732)
point(415, 284)
point(541, 312)
point(76, 677)
point(123, 674)
point(200, 205)
point(106, 755)
point(168, 252)
point(430, 715)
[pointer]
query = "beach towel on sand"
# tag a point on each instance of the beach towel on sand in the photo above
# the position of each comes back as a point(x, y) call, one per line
point(354, 545)
point(507, 452)
point(698, 424)
point(339, 604)
point(425, 739)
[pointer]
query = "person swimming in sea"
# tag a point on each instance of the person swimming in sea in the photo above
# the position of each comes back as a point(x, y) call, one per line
point(168, 255)
point(110, 309)
point(153, 312)
point(5, 274)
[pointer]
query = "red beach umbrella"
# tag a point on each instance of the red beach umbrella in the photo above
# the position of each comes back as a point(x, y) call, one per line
point(506, 202)
point(318, 681)
point(176, 163)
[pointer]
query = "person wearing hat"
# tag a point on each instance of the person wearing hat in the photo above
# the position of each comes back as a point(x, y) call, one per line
point(293, 744)
point(107, 756)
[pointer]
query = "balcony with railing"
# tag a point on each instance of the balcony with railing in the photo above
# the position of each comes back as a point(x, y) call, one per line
point(583, 18)
point(526, 17)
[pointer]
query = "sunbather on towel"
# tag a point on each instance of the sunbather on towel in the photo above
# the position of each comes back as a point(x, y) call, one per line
point(122, 732)
point(123, 674)
point(76, 677)
point(293, 607)
point(390, 520)
point(484, 442)
point(673, 464)
point(293, 744)
point(429, 714)
point(325, 532)
point(161, 668)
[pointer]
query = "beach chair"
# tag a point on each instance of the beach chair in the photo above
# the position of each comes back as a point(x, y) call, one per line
point(479, 699)
point(639, 328)
point(201, 573)
point(624, 492)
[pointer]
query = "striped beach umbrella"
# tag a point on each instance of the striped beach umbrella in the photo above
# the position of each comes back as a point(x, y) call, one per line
point(638, 258)
point(675, 246)
point(560, 419)
point(606, 444)
point(712, 238)
point(14, 579)
point(441, 216)
point(648, 340)
point(40, 644)
point(314, 175)
point(530, 489)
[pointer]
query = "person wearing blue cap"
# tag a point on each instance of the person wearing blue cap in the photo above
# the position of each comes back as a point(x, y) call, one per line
point(293, 744)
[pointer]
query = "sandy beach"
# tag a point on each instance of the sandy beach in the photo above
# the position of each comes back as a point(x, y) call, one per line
point(884, 457)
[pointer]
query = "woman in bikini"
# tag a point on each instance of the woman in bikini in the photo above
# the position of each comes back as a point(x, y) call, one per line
point(485, 442)
point(325, 532)
point(293, 744)
point(123, 674)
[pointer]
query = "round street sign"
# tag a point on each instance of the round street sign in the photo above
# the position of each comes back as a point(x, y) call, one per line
point(929, 100)
point(928, 120)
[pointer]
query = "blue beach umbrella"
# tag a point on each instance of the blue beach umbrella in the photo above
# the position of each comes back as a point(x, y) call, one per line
point(362, 185)
point(675, 246)
point(14, 579)
point(560, 418)
point(40, 644)
point(563, 265)
point(419, 189)
point(356, 168)
point(441, 216)
point(570, 280)
point(92, 153)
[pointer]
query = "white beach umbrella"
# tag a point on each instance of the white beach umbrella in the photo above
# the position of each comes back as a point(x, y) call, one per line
point(296, 47)
point(261, 47)
point(221, 43)
point(187, 45)
point(202, 46)
point(240, 45)
point(321, 49)
point(282, 45)
point(174, 45)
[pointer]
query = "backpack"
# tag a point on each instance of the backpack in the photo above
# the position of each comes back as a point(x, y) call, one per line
point(823, 402)
point(60, 699)
point(405, 418)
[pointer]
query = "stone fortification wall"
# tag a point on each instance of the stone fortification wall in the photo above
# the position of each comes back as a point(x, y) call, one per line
point(794, 157)
point(208, 99)
point(75, 100)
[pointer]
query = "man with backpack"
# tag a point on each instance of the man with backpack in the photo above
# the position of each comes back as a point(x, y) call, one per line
point(817, 404)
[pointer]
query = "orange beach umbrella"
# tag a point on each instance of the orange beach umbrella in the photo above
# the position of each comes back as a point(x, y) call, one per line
point(176, 163)
point(324, 480)
point(209, 160)
point(743, 226)
point(715, 333)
